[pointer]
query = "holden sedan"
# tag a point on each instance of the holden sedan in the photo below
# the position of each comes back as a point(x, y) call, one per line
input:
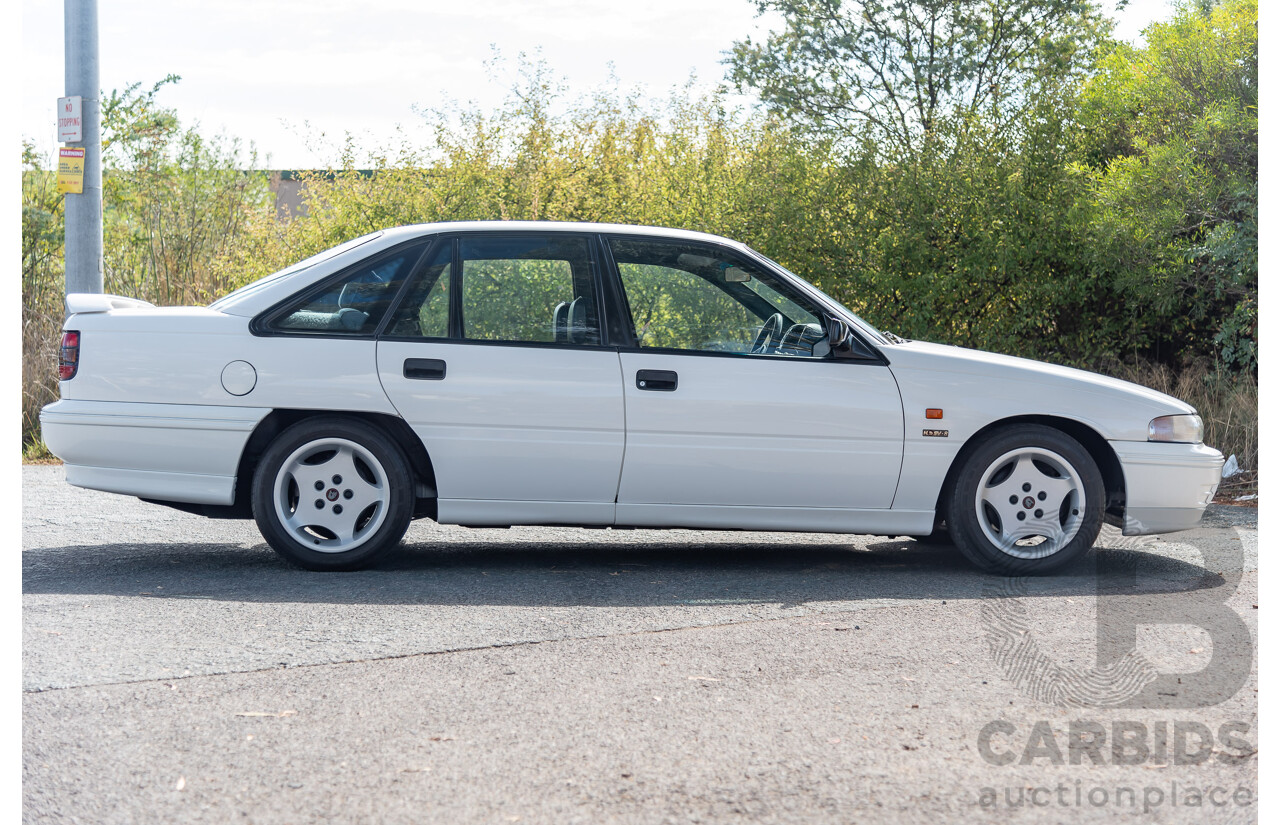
point(594, 375)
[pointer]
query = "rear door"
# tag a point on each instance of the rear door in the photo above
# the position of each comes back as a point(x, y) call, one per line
point(734, 399)
point(495, 357)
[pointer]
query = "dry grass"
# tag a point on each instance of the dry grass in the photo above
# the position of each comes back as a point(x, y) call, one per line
point(1228, 403)
point(41, 337)
point(38, 453)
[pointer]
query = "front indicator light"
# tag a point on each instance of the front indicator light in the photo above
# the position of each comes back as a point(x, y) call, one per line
point(1181, 429)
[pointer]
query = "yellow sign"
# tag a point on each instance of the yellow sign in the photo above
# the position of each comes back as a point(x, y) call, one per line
point(71, 171)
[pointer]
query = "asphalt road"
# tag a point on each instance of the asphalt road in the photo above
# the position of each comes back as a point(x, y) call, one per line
point(175, 670)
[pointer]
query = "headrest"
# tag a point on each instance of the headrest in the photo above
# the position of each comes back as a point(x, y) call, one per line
point(577, 321)
point(560, 322)
point(352, 319)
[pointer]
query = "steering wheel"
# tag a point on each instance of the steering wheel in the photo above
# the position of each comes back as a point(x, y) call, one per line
point(797, 333)
point(770, 334)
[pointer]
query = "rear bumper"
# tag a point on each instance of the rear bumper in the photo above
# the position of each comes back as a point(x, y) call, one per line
point(169, 452)
point(1167, 486)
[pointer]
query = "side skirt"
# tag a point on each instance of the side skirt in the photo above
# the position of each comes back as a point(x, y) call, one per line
point(494, 513)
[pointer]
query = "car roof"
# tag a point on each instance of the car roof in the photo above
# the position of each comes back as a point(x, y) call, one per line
point(399, 233)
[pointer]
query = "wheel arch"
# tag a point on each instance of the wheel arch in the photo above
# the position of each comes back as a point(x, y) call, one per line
point(394, 427)
point(1093, 442)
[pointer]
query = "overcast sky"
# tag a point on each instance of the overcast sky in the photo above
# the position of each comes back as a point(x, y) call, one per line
point(280, 72)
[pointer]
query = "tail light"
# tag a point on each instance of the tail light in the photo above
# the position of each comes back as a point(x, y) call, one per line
point(69, 355)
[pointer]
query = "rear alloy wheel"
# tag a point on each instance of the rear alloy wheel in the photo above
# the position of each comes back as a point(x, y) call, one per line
point(332, 494)
point(1028, 501)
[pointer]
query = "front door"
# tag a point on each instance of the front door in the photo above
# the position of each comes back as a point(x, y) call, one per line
point(734, 402)
point(494, 358)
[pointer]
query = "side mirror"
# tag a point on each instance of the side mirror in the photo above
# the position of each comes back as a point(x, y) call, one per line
point(837, 332)
point(844, 344)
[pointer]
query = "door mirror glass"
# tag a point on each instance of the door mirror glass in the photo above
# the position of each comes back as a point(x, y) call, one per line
point(844, 344)
point(837, 333)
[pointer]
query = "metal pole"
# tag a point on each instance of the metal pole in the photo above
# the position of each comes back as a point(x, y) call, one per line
point(84, 211)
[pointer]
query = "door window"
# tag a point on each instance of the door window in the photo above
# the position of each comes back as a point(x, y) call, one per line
point(518, 288)
point(691, 296)
point(535, 289)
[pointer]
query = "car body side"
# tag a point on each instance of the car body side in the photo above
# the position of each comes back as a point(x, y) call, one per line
point(151, 414)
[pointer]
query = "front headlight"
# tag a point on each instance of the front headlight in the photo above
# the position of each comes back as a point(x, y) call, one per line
point(1185, 429)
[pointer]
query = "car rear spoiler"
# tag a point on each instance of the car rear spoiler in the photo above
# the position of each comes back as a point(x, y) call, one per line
point(80, 303)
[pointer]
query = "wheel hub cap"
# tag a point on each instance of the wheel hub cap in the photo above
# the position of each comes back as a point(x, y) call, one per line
point(1030, 502)
point(331, 495)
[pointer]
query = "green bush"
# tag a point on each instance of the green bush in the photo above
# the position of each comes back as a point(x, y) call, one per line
point(1103, 214)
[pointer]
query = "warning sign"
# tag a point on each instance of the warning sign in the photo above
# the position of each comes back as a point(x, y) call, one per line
point(71, 171)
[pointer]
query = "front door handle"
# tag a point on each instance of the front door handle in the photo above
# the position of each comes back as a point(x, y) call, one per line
point(657, 380)
point(424, 369)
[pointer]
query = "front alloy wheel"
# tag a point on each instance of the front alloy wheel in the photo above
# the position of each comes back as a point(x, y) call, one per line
point(1028, 500)
point(1030, 503)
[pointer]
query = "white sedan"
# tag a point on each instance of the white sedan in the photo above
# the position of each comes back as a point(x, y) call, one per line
point(491, 374)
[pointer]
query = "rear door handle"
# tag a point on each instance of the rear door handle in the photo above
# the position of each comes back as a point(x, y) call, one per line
point(424, 369)
point(657, 380)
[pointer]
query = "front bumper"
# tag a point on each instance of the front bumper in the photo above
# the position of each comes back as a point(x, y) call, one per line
point(168, 452)
point(1167, 486)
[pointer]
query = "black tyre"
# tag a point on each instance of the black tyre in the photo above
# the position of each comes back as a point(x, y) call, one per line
point(940, 537)
point(333, 493)
point(1028, 500)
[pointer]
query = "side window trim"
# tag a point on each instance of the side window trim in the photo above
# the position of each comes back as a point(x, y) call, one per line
point(615, 309)
point(262, 325)
point(595, 267)
point(623, 305)
point(457, 330)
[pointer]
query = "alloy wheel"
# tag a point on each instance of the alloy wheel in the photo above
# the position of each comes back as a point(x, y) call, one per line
point(331, 495)
point(1030, 502)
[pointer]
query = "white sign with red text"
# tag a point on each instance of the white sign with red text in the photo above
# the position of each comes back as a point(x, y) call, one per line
point(70, 124)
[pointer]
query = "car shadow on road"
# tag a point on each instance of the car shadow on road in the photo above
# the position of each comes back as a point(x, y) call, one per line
point(516, 571)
